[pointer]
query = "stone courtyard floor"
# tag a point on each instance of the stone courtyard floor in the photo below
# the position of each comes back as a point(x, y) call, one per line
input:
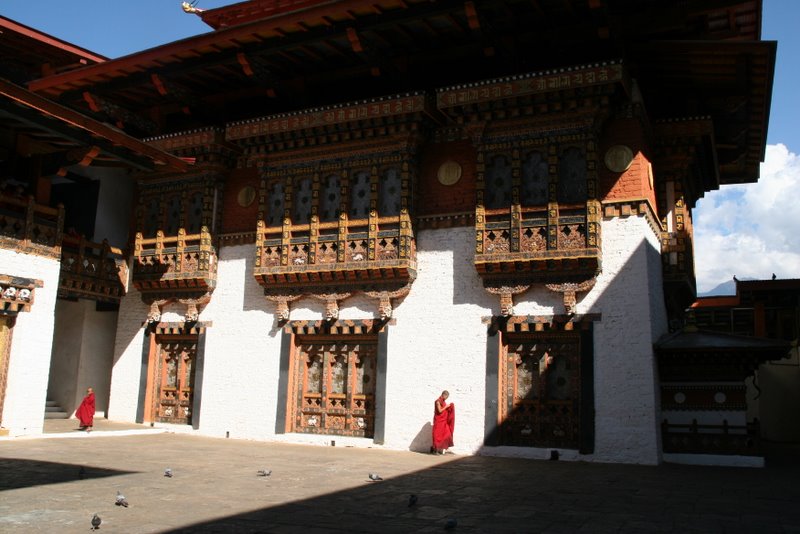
point(53, 484)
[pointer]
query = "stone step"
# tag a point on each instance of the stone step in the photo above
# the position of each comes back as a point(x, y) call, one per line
point(52, 410)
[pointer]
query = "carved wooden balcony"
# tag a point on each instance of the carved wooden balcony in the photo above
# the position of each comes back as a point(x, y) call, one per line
point(175, 264)
point(537, 244)
point(359, 253)
point(28, 227)
point(95, 271)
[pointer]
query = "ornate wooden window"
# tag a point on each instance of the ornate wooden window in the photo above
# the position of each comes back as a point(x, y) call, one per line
point(333, 385)
point(571, 176)
point(174, 212)
point(173, 379)
point(535, 179)
point(359, 195)
point(389, 192)
point(540, 390)
point(331, 198)
point(169, 206)
point(275, 203)
point(195, 213)
point(498, 182)
point(302, 201)
point(152, 221)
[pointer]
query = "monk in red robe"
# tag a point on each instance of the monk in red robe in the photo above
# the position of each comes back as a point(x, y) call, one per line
point(443, 424)
point(85, 412)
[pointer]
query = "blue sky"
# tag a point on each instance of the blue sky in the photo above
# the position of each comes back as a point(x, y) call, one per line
point(750, 231)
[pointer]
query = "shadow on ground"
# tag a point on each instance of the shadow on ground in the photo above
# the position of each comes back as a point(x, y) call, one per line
point(18, 473)
point(498, 495)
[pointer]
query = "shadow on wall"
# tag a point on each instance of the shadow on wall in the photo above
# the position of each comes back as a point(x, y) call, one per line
point(423, 440)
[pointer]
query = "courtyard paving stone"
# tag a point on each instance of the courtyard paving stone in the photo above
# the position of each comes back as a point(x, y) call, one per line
point(53, 484)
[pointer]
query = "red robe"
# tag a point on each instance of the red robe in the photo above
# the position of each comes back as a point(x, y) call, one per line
point(85, 411)
point(443, 425)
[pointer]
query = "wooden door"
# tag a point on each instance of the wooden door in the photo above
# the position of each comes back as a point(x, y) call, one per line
point(5, 352)
point(540, 391)
point(334, 386)
point(174, 379)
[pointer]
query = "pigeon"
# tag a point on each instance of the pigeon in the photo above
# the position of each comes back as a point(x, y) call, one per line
point(375, 477)
point(264, 472)
point(168, 472)
point(82, 473)
point(451, 524)
point(412, 500)
point(121, 500)
point(96, 522)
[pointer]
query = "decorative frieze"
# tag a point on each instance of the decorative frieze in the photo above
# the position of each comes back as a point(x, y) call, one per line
point(529, 84)
point(339, 327)
point(328, 116)
point(540, 323)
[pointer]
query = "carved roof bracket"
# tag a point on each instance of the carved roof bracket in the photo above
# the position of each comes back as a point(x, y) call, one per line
point(193, 300)
point(282, 305)
point(331, 303)
point(385, 300)
point(194, 306)
point(569, 291)
point(154, 313)
point(506, 294)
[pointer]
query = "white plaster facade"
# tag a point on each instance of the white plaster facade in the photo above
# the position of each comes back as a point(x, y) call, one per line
point(437, 341)
point(31, 344)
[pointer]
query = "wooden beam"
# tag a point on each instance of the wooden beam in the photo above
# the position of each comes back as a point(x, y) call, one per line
point(73, 125)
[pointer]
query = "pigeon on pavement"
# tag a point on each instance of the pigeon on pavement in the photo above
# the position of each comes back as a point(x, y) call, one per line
point(121, 500)
point(168, 472)
point(264, 472)
point(96, 522)
point(375, 477)
point(412, 500)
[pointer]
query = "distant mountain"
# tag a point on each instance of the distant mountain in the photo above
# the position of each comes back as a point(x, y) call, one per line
point(723, 289)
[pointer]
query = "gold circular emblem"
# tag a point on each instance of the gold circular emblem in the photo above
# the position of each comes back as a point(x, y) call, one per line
point(449, 173)
point(246, 196)
point(619, 158)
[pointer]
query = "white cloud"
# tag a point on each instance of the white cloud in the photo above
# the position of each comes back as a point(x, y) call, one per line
point(752, 230)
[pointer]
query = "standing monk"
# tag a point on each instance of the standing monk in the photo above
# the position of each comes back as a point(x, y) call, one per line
point(85, 412)
point(443, 424)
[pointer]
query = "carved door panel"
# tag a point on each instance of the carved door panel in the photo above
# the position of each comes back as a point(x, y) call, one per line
point(540, 391)
point(334, 387)
point(174, 379)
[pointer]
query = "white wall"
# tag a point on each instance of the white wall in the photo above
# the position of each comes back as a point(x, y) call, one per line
point(31, 344)
point(126, 365)
point(629, 295)
point(437, 341)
